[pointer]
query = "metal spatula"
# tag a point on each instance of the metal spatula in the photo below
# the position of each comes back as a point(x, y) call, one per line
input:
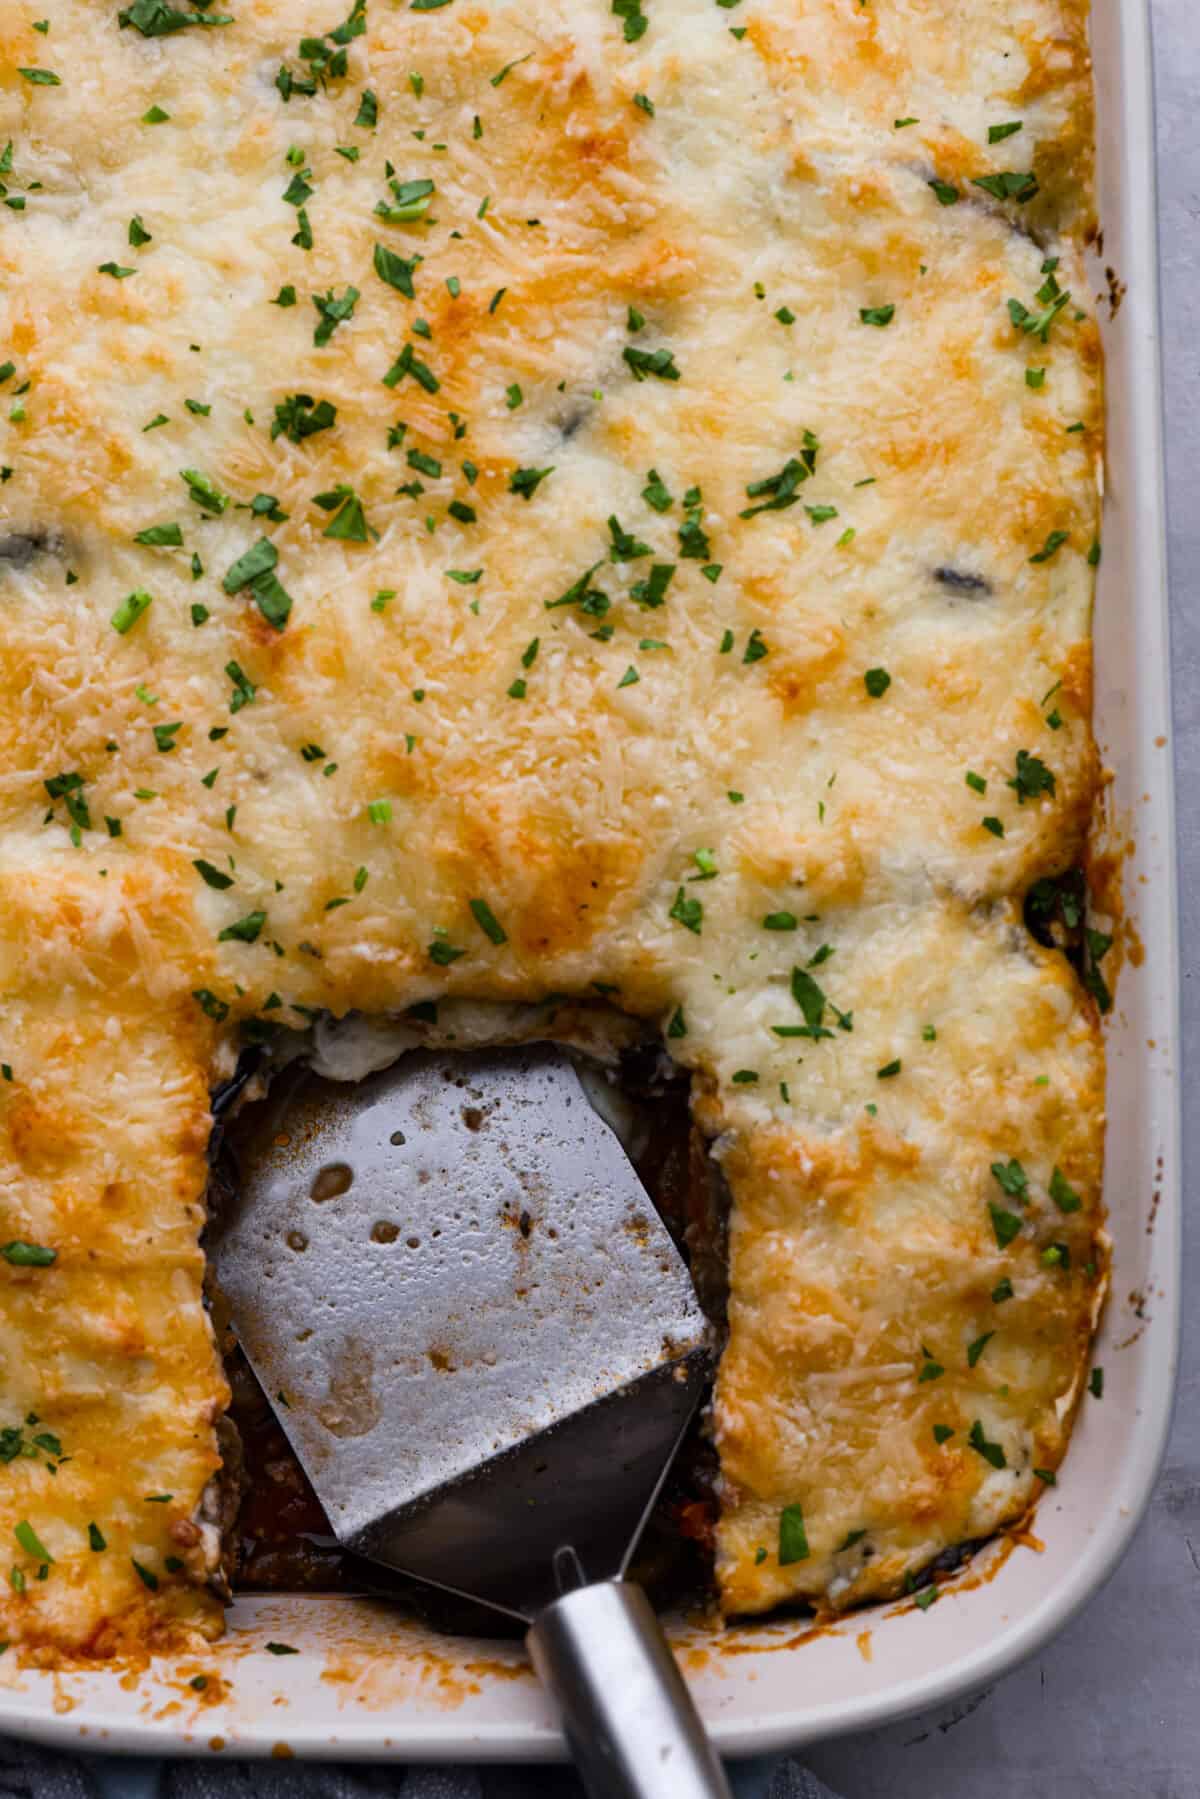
point(484, 1348)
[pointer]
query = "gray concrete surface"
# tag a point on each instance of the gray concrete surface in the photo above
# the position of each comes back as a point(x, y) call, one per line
point(1112, 1709)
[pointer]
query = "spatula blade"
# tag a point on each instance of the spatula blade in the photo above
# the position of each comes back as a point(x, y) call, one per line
point(477, 1333)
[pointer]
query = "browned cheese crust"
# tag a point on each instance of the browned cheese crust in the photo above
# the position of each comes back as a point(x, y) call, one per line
point(665, 447)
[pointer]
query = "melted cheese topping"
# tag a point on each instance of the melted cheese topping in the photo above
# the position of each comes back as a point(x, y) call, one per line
point(669, 480)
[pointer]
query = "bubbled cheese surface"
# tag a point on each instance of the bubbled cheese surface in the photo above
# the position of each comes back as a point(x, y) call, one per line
point(513, 698)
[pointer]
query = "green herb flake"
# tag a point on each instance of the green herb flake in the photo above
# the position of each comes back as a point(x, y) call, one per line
point(1032, 778)
point(130, 610)
point(28, 1255)
point(30, 1542)
point(991, 1452)
point(1051, 547)
point(158, 18)
point(687, 911)
point(487, 921)
point(243, 930)
point(1062, 1192)
point(793, 1538)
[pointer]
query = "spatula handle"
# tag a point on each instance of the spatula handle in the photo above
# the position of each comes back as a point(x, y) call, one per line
point(629, 1718)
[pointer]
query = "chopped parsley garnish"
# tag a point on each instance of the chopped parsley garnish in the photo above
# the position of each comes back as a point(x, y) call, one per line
point(1031, 779)
point(624, 547)
point(204, 492)
point(409, 363)
point(526, 481)
point(991, 1452)
point(644, 363)
point(1062, 1192)
point(300, 416)
point(243, 930)
point(976, 1349)
point(653, 591)
point(498, 77)
point(443, 952)
point(325, 61)
point(877, 315)
point(244, 689)
point(877, 681)
point(1005, 1224)
point(1051, 547)
point(1012, 1178)
point(812, 1002)
point(793, 1538)
point(687, 911)
point(395, 270)
point(780, 489)
point(28, 1255)
point(210, 1005)
point(487, 921)
point(130, 610)
point(410, 201)
point(30, 1542)
point(334, 310)
point(156, 18)
point(1010, 184)
point(633, 18)
point(655, 492)
point(349, 523)
point(256, 569)
point(1050, 298)
point(212, 877)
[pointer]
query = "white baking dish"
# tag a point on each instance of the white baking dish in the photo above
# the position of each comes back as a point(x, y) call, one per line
point(364, 1684)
